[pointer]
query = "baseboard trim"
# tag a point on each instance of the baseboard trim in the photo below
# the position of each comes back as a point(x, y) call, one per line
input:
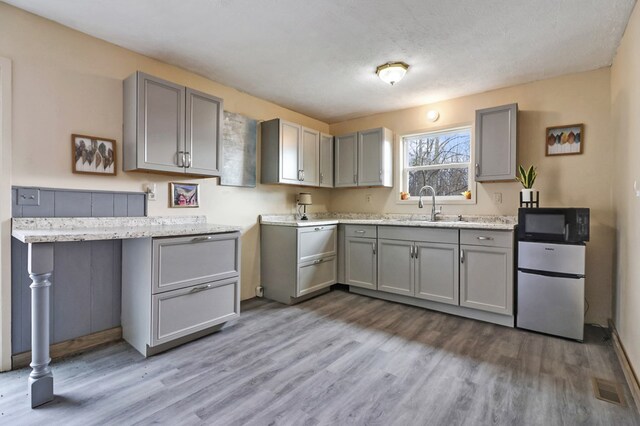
point(627, 368)
point(71, 347)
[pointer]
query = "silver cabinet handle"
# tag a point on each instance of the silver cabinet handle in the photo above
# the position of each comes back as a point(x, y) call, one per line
point(411, 252)
point(188, 157)
point(477, 169)
point(373, 246)
point(461, 256)
point(202, 238)
point(180, 159)
point(319, 228)
point(299, 175)
point(321, 177)
point(415, 252)
point(201, 288)
point(355, 178)
point(485, 238)
point(380, 175)
point(318, 261)
point(360, 231)
point(30, 197)
point(303, 175)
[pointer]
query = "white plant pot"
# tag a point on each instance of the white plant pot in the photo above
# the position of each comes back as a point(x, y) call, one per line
point(527, 194)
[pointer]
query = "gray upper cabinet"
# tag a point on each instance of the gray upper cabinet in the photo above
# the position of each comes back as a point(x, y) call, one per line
point(486, 271)
point(290, 153)
point(326, 160)
point(169, 128)
point(496, 142)
point(203, 131)
point(364, 158)
point(346, 160)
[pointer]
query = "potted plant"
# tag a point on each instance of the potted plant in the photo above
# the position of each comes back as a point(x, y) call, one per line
point(527, 178)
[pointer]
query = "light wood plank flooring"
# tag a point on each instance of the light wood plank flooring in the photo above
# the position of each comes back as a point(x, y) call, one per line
point(337, 359)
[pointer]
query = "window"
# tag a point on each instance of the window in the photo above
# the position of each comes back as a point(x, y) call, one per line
point(440, 159)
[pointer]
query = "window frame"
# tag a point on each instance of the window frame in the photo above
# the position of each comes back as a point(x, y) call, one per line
point(403, 169)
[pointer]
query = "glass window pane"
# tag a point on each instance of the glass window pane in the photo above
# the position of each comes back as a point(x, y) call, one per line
point(438, 148)
point(444, 181)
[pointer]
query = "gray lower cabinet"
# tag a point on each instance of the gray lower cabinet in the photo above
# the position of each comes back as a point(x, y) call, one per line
point(420, 263)
point(174, 289)
point(437, 272)
point(297, 262)
point(496, 143)
point(486, 270)
point(361, 256)
point(170, 128)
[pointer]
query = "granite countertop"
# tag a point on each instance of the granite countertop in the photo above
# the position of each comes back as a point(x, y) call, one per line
point(500, 223)
point(48, 230)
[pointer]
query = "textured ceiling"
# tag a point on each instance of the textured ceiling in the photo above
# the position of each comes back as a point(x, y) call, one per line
point(319, 57)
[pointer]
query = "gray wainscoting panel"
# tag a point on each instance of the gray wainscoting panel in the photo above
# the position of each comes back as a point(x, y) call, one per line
point(87, 282)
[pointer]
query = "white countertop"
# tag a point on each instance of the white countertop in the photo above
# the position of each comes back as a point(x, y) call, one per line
point(499, 223)
point(48, 230)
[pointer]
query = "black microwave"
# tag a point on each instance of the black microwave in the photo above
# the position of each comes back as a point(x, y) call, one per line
point(568, 225)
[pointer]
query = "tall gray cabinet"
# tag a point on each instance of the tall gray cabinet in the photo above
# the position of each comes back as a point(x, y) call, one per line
point(496, 143)
point(290, 153)
point(364, 158)
point(170, 128)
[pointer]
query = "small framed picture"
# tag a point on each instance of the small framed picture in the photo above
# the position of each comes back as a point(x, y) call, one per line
point(93, 155)
point(184, 194)
point(564, 140)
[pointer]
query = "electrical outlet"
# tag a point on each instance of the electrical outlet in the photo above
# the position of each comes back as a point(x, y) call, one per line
point(497, 197)
point(368, 198)
point(150, 189)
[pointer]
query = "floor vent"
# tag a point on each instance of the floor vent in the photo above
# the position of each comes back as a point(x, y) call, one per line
point(608, 391)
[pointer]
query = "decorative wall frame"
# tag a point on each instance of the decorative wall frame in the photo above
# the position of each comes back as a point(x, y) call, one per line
point(184, 195)
point(93, 155)
point(564, 140)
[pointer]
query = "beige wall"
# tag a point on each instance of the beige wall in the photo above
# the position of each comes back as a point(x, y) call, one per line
point(67, 82)
point(580, 180)
point(625, 99)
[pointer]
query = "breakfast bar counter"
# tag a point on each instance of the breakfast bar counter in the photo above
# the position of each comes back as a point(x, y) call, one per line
point(41, 233)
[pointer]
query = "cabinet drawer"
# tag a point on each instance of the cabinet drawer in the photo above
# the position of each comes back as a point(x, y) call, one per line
point(187, 261)
point(181, 312)
point(478, 237)
point(317, 274)
point(430, 235)
point(365, 231)
point(317, 242)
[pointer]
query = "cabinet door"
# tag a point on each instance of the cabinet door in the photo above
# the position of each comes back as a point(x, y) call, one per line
point(361, 262)
point(437, 272)
point(346, 164)
point(161, 116)
point(496, 140)
point(203, 132)
point(370, 144)
point(486, 278)
point(395, 266)
point(290, 155)
point(326, 160)
point(310, 157)
point(316, 275)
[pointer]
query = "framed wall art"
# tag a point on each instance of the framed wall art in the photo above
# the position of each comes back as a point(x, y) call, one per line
point(184, 194)
point(93, 155)
point(564, 140)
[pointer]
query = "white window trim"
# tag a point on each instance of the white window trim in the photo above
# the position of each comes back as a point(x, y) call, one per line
point(442, 199)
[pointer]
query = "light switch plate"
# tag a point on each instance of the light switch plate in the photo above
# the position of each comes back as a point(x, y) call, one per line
point(28, 197)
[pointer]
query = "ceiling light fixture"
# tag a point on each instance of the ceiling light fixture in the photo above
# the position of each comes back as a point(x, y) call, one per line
point(392, 72)
point(433, 115)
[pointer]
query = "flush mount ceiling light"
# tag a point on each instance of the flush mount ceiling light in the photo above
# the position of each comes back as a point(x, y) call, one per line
point(392, 72)
point(433, 115)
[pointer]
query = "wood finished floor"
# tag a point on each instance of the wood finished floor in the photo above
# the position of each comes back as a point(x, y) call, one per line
point(336, 359)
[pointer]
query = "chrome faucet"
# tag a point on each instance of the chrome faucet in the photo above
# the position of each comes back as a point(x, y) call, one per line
point(433, 201)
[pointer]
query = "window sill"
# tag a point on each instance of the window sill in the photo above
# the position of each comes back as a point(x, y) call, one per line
point(439, 202)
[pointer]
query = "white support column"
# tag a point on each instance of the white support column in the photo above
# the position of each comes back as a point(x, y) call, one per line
point(40, 271)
